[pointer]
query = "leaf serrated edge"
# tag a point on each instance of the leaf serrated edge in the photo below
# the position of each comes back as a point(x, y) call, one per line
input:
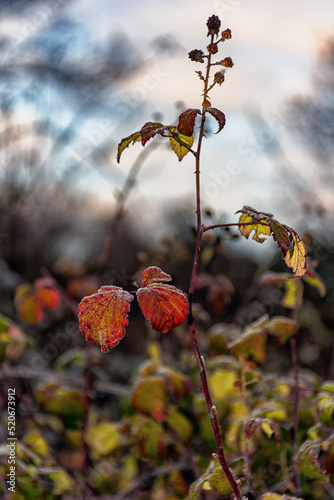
point(219, 116)
point(125, 142)
point(180, 148)
point(187, 117)
point(150, 130)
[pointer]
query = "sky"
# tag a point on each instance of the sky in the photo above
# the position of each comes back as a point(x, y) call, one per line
point(274, 47)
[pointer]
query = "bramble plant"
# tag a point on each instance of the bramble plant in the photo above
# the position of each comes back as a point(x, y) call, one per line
point(246, 434)
point(103, 316)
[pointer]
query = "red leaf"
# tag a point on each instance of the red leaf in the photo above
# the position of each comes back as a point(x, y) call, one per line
point(164, 306)
point(280, 235)
point(154, 273)
point(46, 294)
point(220, 117)
point(187, 121)
point(149, 130)
point(103, 316)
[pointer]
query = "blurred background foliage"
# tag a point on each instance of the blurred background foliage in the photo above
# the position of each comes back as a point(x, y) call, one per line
point(60, 120)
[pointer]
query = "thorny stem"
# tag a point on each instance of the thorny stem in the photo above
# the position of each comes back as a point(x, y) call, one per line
point(244, 411)
point(229, 224)
point(293, 345)
point(193, 333)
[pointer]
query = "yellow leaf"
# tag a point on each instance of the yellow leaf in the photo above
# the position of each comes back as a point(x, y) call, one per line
point(103, 439)
point(35, 441)
point(296, 257)
point(283, 389)
point(206, 486)
point(276, 412)
point(136, 137)
point(281, 327)
point(272, 496)
point(261, 227)
point(267, 429)
point(293, 295)
point(61, 482)
point(128, 473)
point(316, 282)
point(154, 352)
point(180, 424)
point(221, 382)
point(178, 149)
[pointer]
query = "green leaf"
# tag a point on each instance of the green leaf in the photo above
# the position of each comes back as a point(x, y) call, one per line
point(214, 478)
point(178, 148)
point(219, 116)
point(149, 397)
point(149, 435)
point(187, 122)
point(179, 424)
point(325, 407)
point(308, 461)
point(61, 482)
point(195, 488)
point(251, 344)
point(64, 403)
point(178, 383)
point(219, 483)
point(131, 139)
point(281, 327)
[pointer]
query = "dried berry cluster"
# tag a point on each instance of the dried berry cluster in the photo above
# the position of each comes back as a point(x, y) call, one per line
point(196, 55)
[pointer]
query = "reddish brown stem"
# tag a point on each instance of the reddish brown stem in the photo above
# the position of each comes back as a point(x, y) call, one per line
point(230, 224)
point(193, 333)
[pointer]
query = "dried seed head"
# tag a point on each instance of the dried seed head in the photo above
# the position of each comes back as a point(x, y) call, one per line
point(196, 55)
point(212, 48)
point(206, 104)
point(213, 24)
point(227, 62)
point(219, 77)
point(226, 35)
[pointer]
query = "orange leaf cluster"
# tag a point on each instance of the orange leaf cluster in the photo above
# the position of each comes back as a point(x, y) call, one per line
point(103, 316)
point(32, 301)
